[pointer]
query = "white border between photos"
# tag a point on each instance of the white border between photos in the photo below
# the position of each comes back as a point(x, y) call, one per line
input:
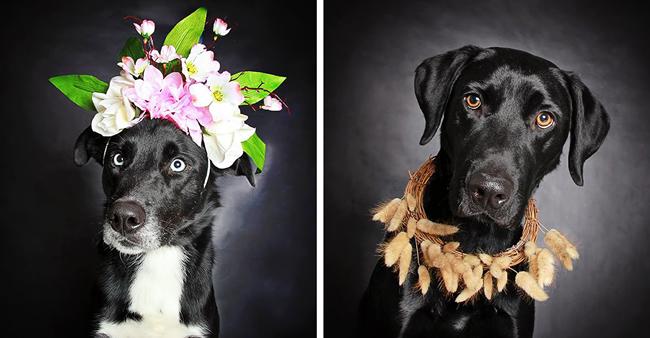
point(319, 169)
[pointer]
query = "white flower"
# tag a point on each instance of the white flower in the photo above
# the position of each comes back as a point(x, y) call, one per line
point(220, 28)
point(219, 93)
point(134, 68)
point(199, 64)
point(166, 54)
point(114, 111)
point(272, 104)
point(146, 28)
point(224, 138)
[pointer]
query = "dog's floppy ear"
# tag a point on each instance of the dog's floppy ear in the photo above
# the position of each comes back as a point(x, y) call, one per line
point(589, 126)
point(243, 166)
point(434, 81)
point(89, 145)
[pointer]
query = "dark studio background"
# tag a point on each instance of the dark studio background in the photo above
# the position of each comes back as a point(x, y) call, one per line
point(265, 276)
point(373, 125)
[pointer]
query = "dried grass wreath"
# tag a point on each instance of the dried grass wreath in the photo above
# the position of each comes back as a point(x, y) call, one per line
point(406, 218)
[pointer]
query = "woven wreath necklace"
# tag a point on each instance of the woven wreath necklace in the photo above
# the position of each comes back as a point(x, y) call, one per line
point(465, 274)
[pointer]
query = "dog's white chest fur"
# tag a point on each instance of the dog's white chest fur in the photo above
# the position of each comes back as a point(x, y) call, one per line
point(155, 294)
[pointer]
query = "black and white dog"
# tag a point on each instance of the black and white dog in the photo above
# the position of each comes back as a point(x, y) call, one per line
point(157, 252)
point(507, 115)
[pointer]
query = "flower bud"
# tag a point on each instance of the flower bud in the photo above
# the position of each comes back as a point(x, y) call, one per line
point(146, 28)
point(272, 104)
point(220, 28)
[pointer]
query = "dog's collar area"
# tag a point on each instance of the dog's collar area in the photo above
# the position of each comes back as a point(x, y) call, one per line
point(207, 174)
point(409, 229)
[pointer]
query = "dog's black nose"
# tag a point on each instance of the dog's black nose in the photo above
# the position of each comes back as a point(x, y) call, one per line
point(489, 191)
point(127, 216)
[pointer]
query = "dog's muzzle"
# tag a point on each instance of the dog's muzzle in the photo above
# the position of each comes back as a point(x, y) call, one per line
point(126, 217)
point(489, 192)
point(129, 229)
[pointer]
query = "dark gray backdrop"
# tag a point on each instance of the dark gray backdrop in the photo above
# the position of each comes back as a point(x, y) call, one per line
point(373, 125)
point(51, 210)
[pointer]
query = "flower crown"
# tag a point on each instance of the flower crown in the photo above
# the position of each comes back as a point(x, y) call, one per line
point(182, 83)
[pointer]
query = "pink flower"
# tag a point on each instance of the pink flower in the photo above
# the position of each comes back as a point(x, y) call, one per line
point(220, 28)
point(146, 28)
point(134, 68)
point(145, 88)
point(169, 98)
point(271, 104)
point(166, 54)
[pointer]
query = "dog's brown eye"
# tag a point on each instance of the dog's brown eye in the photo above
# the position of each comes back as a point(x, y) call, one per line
point(472, 101)
point(544, 119)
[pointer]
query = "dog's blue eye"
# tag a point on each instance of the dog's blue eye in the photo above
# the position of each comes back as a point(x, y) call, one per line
point(118, 160)
point(177, 165)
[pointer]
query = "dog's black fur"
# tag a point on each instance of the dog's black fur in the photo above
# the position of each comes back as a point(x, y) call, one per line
point(180, 207)
point(500, 146)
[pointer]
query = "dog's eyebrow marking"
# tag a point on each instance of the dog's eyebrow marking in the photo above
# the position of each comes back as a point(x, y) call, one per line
point(170, 149)
point(535, 101)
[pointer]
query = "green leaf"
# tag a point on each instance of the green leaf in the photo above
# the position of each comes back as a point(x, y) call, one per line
point(80, 88)
point(257, 85)
point(256, 149)
point(187, 32)
point(132, 48)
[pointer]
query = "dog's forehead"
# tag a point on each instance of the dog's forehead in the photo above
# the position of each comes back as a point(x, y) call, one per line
point(156, 136)
point(510, 74)
point(516, 59)
point(508, 82)
point(499, 64)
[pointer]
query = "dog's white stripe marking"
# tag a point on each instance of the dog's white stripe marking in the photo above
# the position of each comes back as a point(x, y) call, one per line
point(155, 294)
point(158, 283)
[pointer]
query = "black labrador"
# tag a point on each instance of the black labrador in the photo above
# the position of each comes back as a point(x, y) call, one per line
point(157, 252)
point(507, 115)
